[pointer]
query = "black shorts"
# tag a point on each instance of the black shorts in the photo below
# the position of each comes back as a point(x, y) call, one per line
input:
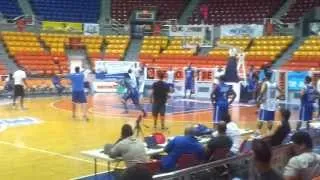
point(18, 91)
point(158, 109)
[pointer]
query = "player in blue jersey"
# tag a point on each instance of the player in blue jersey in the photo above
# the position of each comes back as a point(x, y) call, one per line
point(252, 83)
point(267, 101)
point(132, 93)
point(308, 97)
point(221, 97)
point(78, 94)
point(189, 81)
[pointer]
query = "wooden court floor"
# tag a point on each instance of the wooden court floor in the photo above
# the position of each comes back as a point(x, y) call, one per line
point(51, 148)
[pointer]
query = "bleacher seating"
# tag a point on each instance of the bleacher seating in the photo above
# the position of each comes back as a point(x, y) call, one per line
point(152, 45)
point(93, 46)
point(298, 9)
point(122, 9)
point(116, 46)
point(267, 48)
point(67, 10)
point(10, 8)
point(27, 51)
point(307, 56)
point(220, 53)
point(235, 11)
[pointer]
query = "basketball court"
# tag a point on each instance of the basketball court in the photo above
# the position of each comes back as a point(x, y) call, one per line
point(44, 142)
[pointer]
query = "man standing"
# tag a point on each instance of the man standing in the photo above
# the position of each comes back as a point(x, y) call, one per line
point(87, 83)
point(170, 79)
point(189, 81)
point(78, 94)
point(159, 96)
point(220, 99)
point(19, 82)
point(308, 97)
point(268, 102)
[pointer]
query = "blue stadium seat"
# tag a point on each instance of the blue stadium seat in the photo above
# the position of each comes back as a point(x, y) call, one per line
point(67, 10)
point(10, 8)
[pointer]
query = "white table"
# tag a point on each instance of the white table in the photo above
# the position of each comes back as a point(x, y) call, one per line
point(97, 154)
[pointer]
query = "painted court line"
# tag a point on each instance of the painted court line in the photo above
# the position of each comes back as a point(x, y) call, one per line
point(20, 146)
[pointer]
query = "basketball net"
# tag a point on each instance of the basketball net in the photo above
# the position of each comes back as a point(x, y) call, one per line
point(241, 66)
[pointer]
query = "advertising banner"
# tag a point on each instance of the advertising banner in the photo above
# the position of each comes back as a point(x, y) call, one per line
point(112, 70)
point(61, 26)
point(253, 30)
point(296, 80)
point(91, 29)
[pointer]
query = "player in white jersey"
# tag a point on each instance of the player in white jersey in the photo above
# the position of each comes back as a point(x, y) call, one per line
point(268, 102)
point(170, 78)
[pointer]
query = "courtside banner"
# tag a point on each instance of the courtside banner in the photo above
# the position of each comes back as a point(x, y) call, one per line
point(91, 29)
point(112, 71)
point(296, 80)
point(61, 26)
point(252, 30)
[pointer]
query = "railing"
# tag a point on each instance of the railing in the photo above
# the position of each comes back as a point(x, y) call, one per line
point(240, 166)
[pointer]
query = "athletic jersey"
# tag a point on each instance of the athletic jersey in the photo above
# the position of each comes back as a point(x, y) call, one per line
point(309, 95)
point(170, 78)
point(221, 94)
point(132, 80)
point(189, 74)
point(270, 97)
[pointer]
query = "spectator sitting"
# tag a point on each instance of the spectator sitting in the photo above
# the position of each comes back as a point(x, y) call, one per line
point(283, 130)
point(136, 173)
point(180, 145)
point(128, 147)
point(56, 81)
point(221, 141)
point(306, 164)
point(233, 131)
point(262, 154)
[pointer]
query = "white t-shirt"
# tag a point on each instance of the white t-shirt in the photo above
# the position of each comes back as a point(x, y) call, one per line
point(318, 85)
point(136, 71)
point(305, 165)
point(170, 78)
point(86, 73)
point(18, 77)
point(233, 131)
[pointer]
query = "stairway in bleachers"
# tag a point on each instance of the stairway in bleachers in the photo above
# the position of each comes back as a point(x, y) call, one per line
point(5, 60)
point(188, 11)
point(286, 56)
point(283, 10)
point(133, 50)
point(26, 7)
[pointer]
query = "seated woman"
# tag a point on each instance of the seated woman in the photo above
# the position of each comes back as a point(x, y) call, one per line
point(128, 147)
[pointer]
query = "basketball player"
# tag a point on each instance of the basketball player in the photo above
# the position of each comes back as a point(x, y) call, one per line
point(252, 83)
point(189, 81)
point(170, 79)
point(308, 97)
point(267, 101)
point(159, 95)
point(78, 94)
point(19, 82)
point(87, 83)
point(132, 93)
point(220, 96)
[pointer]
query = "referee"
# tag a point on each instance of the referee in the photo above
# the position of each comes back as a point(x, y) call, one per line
point(159, 95)
point(19, 82)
